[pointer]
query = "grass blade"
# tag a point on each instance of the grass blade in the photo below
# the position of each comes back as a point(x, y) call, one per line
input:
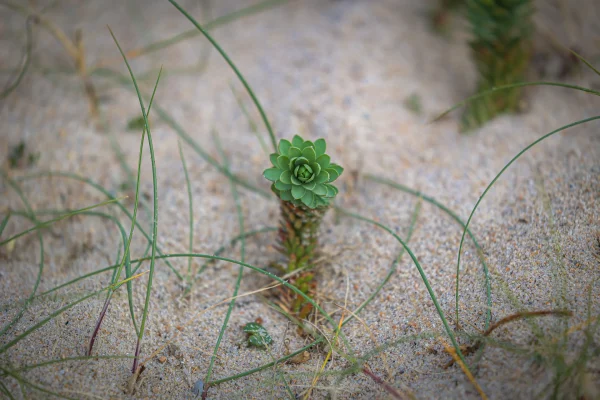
point(155, 207)
point(234, 68)
point(190, 211)
point(523, 151)
point(513, 85)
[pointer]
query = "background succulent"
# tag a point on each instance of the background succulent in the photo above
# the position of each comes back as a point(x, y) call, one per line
point(302, 173)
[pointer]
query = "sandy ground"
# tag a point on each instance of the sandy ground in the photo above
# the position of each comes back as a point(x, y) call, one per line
point(335, 69)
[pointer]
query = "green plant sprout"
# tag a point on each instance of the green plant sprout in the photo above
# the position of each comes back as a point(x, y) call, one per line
point(501, 49)
point(302, 175)
point(257, 335)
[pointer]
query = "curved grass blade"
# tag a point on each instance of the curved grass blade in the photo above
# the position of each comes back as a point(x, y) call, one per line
point(30, 215)
point(126, 258)
point(155, 207)
point(45, 224)
point(28, 47)
point(5, 391)
point(231, 243)
point(392, 270)
point(96, 186)
point(87, 213)
point(455, 217)
point(256, 269)
point(513, 85)
point(234, 68)
point(421, 272)
point(238, 282)
point(190, 211)
point(215, 23)
point(167, 119)
point(523, 151)
point(68, 359)
point(4, 222)
point(251, 122)
point(25, 382)
point(44, 321)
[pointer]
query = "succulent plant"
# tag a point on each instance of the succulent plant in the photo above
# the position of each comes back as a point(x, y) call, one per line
point(302, 173)
point(501, 49)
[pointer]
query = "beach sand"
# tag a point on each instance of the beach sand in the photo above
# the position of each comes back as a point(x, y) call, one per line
point(341, 70)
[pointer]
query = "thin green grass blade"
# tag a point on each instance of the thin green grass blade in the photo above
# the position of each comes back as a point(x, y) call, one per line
point(583, 121)
point(221, 249)
point(452, 214)
point(251, 122)
point(190, 211)
point(27, 55)
point(44, 321)
point(31, 216)
point(86, 213)
point(234, 68)
point(423, 277)
point(513, 85)
point(260, 271)
point(238, 281)
point(69, 359)
point(96, 186)
point(166, 118)
point(4, 222)
point(586, 62)
point(4, 390)
point(25, 382)
point(395, 263)
point(155, 207)
point(217, 22)
point(126, 258)
point(60, 218)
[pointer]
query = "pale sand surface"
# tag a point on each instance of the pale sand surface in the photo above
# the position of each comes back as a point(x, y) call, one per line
point(335, 69)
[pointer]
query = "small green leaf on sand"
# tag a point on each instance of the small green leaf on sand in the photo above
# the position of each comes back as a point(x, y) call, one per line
point(413, 103)
point(257, 335)
point(136, 124)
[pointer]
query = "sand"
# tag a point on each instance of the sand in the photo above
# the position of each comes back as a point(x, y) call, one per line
point(341, 70)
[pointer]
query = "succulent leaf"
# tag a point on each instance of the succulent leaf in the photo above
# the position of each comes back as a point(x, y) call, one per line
point(298, 191)
point(323, 160)
point(320, 190)
point(285, 176)
point(320, 147)
point(284, 146)
point(302, 172)
point(273, 158)
point(333, 174)
point(286, 195)
point(309, 186)
point(283, 186)
point(315, 167)
point(272, 174)
point(283, 162)
point(294, 152)
point(297, 141)
point(309, 153)
point(337, 168)
point(308, 198)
